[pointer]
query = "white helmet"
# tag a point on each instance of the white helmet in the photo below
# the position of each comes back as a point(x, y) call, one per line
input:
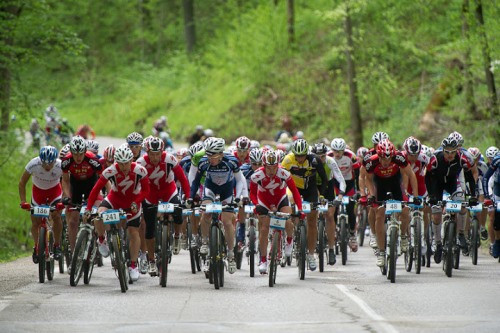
point(123, 154)
point(256, 156)
point(134, 138)
point(93, 146)
point(78, 144)
point(208, 133)
point(254, 144)
point(196, 147)
point(299, 135)
point(338, 144)
point(379, 136)
point(492, 151)
point(214, 145)
point(457, 136)
point(64, 151)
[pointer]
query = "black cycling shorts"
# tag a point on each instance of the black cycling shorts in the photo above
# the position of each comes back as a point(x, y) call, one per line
point(261, 210)
point(310, 195)
point(130, 223)
point(385, 185)
point(79, 188)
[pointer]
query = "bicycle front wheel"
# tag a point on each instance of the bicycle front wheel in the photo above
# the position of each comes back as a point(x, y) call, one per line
point(344, 236)
point(448, 248)
point(362, 226)
point(417, 243)
point(42, 239)
point(321, 244)
point(251, 249)
point(393, 253)
point(474, 240)
point(302, 252)
point(120, 261)
point(214, 255)
point(273, 264)
point(50, 265)
point(165, 243)
point(77, 261)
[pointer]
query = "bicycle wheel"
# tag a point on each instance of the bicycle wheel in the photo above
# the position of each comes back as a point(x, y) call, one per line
point(272, 262)
point(192, 258)
point(448, 248)
point(251, 249)
point(120, 261)
point(88, 266)
point(50, 265)
point(344, 238)
point(42, 238)
point(165, 243)
point(77, 261)
point(321, 244)
point(62, 258)
point(362, 226)
point(428, 242)
point(214, 249)
point(474, 240)
point(302, 252)
point(393, 253)
point(456, 256)
point(222, 252)
point(417, 245)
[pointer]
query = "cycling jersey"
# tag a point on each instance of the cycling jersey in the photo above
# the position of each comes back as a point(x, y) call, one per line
point(246, 161)
point(493, 170)
point(185, 164)
point(332, 173)
point(267, 192)
point(304, 174)
point(162, 178)
point(387, 179)
point(43, 179)
point(125, 189)
point(347, 164)
point(88, 169)
point(419, 168)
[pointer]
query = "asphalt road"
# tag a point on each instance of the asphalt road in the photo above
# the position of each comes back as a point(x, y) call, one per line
point(355, 297)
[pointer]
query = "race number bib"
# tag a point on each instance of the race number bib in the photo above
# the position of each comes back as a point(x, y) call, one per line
point(306, 207)
point(453, 206)
point(393, 206)
point(322, 208)
point(165, 207)
point(41, 211)
point(187, 212)
point(249, 209)
point(111, 217)
point(345, 200)
point(498, 206)
point(277, 223)
point(213, 208)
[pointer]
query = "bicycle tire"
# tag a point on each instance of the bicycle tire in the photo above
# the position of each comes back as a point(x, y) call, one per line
point(88, 267)
point(417, 245)
point(393, 254)
point(214, 248)
point(450, 238)
point(321, 244)
point(62, 259)
point(99, 259)
point(344, 235)
point(474, 240)
point(302, 252)
point(251, 251)
point(222, 252)
point(50, 265)
point(272, 263)
point(120, 261)
point(77, 261)
point(192, 253)
point(164, 255)
point(428, 242)
point(362, 227)
point(456, 256)
point(41, 254)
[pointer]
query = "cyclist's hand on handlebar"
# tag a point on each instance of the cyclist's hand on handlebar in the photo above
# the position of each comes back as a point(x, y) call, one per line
point(371, 199)
point(302, 215)
point(66, 200)
point(245, 201)
point(473, 201)
point(363, 200)
point(134, 208)
point(60, 206)
point(433, 201)
point(417, 201)
point(25, 206)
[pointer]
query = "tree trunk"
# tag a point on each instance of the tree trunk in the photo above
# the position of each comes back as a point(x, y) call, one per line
point(275, 2)
point(468, 84)
point(357, 130)
point(5, 78)
point(490, 80)
point(189, 26)
point(291, 21)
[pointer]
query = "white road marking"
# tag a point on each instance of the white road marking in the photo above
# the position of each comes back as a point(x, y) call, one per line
point(367, 309)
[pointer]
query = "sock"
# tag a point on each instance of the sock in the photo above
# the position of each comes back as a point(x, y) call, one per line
point(436, 228)
point(289, 239)
point(263, 258)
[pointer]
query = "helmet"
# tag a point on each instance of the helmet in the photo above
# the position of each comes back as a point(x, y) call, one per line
point(320, 149)
point(182, 152)
point(164, 118)
point(379, 136)
point(457, 136)
point(93, 146)
point(243, 143)
point(385, 148)
point(412, 146)
point(78, 144)
point(51, 108)
point(284, 138)
point(48, 154)
point(155, 144)
point(64, 151)
point(475, 152)
point(450, 142)
point(426, 151)
point(208, 132)
point(255, 156)
point(254, 144)
point(299, 135)
point(361, 152)
point(214, 145)
point(123, 154)
point(300, 147)
point(492, 152)
point(109, 153)
point(338, 144)
point(199, 128)
point(196, 147)
point(270, 158)
point(145, 141)
point(134, 138)
point(281, 154)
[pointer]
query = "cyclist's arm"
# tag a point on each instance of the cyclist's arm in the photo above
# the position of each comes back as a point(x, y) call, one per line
point(181, 177)
point(241, 185)
point(193, 171)
point(295, 192)
point(195, 185)
point(362, 181)
point(337, 174)
point(66, 186)
point(486, 178)
point(144, 191)
point(22, 185)
point(369, 183)
point(253, 192)
point(322, 175)
point(95, 192)
point(408, 172)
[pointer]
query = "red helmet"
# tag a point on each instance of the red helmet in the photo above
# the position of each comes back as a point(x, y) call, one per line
point(243, 143)
point(386, 149)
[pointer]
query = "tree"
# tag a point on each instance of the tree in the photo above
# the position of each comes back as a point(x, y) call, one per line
point(291, 21)
point(189, 26)
point(468, 83)
point(355, 110)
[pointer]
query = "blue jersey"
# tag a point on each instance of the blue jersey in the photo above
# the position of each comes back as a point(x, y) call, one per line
point(186, 164)
point(247, 171)
point(493, 170)
point(217, 178)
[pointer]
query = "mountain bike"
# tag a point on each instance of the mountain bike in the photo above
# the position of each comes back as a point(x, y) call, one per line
point(277, 226)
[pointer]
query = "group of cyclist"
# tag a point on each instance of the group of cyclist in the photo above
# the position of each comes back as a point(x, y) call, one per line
point(140, 173)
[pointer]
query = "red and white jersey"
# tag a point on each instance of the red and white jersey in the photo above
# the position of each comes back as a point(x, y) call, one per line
point(419, 168)
point(240, 163)
point(267, 191)
point(162, 177)
point(347, 164)
point(125, 189)
point(41, 178)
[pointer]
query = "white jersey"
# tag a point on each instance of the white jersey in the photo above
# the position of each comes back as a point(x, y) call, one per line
point(41, 178)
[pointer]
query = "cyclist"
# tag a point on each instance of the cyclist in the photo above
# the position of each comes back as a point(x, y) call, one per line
point(81, 169)
point(482, 168)
point(86, 132)
point(490, 153)
point(46, 171)
point(443, 171)
point(494, 170)
point(385, 169)
point(93, 147)
point(129, 187)
point(108, 156)
point(242, 154)
point(163, 171)
point(220, 171)
point(336, 183)
point(268, 192)
point(304, 167)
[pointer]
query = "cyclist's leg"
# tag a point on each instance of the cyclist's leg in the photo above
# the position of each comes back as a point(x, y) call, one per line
point(134, 237)
point(150, 212)
point(263, 230)
point(330, 227)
